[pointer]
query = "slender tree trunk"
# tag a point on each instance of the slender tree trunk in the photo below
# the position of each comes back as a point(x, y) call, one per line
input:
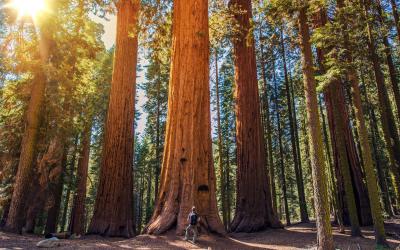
point(343, 163)
point(396, 17)
point(298, 172)
point(220, 149)
point(54, 211)
point(188, 177)
point(158, 142)
point(377, 159)
point(16, 215)
point(337, 205)
point(387, 119)
point(389, 59)
point(324, 230)
point(269, 154)
point(380, 236)
point(116, 175)
point(281, 160)
point(254, 210)
point(69, 185)
point(78, 215)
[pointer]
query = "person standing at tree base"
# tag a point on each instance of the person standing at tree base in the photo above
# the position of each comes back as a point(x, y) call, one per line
point(193, 220)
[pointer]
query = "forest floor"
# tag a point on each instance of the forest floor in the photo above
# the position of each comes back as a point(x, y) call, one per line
point(299, 236)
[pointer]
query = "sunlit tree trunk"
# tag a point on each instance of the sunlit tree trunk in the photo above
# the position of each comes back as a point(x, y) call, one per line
point(187, 176)
point(113, 211)
point(324, 230)
point(17, 212)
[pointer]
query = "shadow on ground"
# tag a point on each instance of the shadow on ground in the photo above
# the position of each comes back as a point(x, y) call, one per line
point(299, 236)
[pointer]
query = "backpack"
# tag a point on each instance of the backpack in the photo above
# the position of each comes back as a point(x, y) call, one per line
point(193, 219)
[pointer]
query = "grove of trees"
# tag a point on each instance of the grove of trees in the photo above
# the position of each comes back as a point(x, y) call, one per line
point(259, 113)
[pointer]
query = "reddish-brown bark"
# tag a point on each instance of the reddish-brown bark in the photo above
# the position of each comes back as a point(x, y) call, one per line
point(113, 211)
point(254, 210)
point(187, 177)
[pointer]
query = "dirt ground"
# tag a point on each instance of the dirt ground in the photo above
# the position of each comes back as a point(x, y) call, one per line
point(300, 236)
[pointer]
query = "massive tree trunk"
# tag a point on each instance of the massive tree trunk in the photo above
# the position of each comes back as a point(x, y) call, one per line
point(254, 210)
point(297, 168)
point(324, 230)
point(188, 177)
point(78, 219)
point(113, 211)
point(16, 215)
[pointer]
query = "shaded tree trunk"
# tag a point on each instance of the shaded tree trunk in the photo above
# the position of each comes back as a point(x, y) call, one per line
point(281, 160)
point(78, 214)
point(389, 59)
point(254, 210)
point(396, 17)
point(116, 175)
point(220, 149)
point(54, 212)
point(269, 154)
point(382, 178)
point(297, 167)
point(324, 230)
point(69, 177)
point(387, 119)
point(187, 176)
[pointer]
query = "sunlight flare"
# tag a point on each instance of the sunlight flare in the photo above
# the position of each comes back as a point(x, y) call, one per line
point(28, 8)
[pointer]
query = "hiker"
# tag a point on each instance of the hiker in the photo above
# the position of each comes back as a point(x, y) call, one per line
point(193, 219)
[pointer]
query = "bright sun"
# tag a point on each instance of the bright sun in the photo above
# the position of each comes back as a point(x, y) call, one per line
point(28, 7)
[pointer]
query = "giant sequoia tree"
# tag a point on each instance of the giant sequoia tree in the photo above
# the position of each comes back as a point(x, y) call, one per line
point(254, 210)
point(187, 176)
point(113, 213)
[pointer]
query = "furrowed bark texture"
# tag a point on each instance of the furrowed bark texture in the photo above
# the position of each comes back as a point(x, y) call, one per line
point(187, 176)
point(254, 208)
point(113, 211)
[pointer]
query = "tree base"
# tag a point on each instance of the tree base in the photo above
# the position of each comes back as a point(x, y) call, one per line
point(251, 224)
point(107, 229)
